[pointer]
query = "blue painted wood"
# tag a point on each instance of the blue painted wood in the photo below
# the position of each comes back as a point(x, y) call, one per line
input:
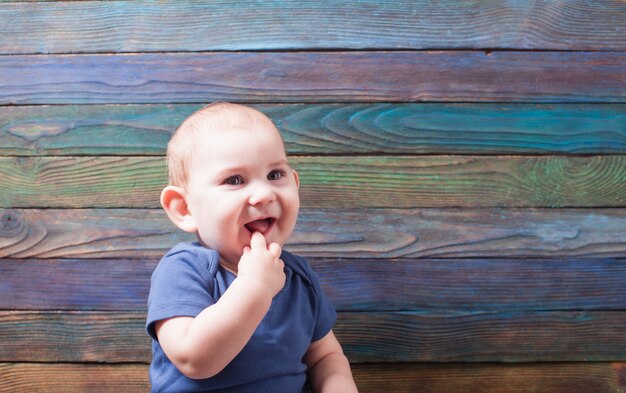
point(462, 76)
point(126, 26)
point(432, 285)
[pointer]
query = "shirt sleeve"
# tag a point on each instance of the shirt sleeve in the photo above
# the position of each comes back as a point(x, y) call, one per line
point(181, 286)
point(326, 314)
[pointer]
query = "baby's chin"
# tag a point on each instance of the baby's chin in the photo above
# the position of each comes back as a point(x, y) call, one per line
point(230, 262)
point(230, 257)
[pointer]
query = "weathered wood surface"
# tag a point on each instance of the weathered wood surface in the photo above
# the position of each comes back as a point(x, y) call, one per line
point(336, 182)
point(122, 26)
point(491, 378)
point(467, 336)
point(353, 233)
point(72, 378)
point(267, 77)
point(374, 378)
point(366, 337)
point(324, 129)
point(363, 105)
point(352, 284)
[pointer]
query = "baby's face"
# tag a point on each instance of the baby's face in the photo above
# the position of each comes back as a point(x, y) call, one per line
point(240, 182)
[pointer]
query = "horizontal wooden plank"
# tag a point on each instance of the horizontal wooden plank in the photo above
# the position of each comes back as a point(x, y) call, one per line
point(490, 378)
point(365, 337)
point(375, 378)
point(336, 182)
point(482, 336)
point(329, 128)
point(58, 336)
point(352, 284)
point(73, 378)
point(469, 181)
point(357, 233)
point(114, 26)
point(113, 284)
point(269, 77)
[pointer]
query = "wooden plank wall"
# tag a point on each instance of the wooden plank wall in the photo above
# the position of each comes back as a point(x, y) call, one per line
point(463, 171)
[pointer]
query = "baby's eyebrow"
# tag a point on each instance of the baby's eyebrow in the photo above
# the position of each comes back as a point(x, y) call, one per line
point(282, 161)
point(235, 169)
point(228, 171)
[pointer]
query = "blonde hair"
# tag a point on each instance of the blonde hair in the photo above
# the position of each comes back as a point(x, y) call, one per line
point(213, 117)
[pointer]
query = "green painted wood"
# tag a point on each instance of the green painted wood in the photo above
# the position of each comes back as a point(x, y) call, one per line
point(336, 182)
point(50, 336)
point(503, 285)
point(329, 128)
point(374, 378)
point(122, 26)
point(269, 77)
point(465, 182)
point(356, 233)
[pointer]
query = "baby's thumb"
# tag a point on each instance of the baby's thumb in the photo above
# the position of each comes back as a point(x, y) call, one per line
point(257, 241)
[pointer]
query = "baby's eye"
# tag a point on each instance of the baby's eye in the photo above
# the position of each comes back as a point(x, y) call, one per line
point(275, 175)
point(234, 180)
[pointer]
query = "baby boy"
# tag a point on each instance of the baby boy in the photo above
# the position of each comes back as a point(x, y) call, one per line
point(233, 312)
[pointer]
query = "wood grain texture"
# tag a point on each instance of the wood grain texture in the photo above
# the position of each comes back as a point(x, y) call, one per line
point(49, 336)
point(119, 26)
point(323, 129)
point(268, 77)
point(73, 378)
point(463, 181)
point(502, 285)
point(357, 233)
point(374, 378)
point(70, 336)
point(482, 336)
point(491, 378)
point(336, 182)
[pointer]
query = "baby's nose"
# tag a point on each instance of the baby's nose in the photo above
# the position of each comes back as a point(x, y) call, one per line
point(261, 193)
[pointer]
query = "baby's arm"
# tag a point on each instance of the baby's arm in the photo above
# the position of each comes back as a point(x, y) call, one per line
point(329, 370)
point(201, 347)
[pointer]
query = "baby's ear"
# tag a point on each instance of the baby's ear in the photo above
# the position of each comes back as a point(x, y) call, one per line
point(175, 205)
point(296, 177)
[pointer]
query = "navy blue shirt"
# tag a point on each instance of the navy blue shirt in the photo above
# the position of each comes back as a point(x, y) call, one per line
point(189, 279)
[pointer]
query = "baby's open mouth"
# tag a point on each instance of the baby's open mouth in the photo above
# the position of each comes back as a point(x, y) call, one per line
point(261, 225)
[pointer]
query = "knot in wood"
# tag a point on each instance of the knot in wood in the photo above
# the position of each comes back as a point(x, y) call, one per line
point(11, 223)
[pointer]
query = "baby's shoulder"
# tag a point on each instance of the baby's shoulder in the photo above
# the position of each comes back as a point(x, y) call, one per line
point(299, 265)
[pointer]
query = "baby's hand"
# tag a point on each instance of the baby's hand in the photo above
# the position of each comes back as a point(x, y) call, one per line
point(262, 264)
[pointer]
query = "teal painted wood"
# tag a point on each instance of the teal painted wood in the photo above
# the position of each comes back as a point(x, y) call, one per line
point(502, 285)
point(314, 77)
point(366, 337)
point(347, 233)
point(125, 26)
point(323, 129)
